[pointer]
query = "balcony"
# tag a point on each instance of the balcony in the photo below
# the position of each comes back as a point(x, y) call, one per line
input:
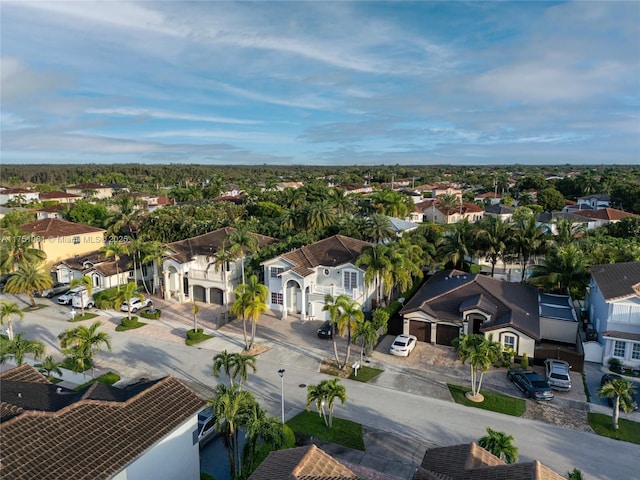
point(211, 275)
point(334, 291)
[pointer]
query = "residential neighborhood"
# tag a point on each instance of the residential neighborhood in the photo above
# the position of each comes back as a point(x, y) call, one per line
point(260, 275)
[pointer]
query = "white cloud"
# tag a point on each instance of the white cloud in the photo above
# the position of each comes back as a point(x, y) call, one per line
point(164, 115)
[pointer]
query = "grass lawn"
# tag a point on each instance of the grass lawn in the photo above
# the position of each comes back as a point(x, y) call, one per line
point(131, 326)
point(343, 432)
point(495, 402)
point(193, 338)
point(628, 432)
point(86, 316)
point(365, 374)
point(108, 378)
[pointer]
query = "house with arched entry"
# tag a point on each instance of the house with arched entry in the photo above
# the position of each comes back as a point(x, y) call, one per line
point(517, 316)
point(192, 270)
point(298, 281)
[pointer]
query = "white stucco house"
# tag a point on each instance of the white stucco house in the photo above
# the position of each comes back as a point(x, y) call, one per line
point(298, 281)
point(613, 303)
point(191, 271)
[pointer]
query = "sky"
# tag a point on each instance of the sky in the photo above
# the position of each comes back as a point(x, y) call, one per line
point(320, 82)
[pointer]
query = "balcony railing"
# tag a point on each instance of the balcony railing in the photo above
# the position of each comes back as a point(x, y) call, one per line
point(214, 276)
point(354, 293)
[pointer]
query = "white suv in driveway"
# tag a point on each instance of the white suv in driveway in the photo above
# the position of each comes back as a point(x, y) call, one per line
point(557, 374)
point(136, 304)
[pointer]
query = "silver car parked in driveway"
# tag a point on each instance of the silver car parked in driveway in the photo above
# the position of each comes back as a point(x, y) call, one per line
point(557, 374)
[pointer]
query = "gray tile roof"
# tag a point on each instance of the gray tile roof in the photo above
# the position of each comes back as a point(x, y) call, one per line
point(617, 280)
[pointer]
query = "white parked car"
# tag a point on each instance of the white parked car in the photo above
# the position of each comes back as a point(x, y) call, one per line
point(557, 374)
point(403, 345)
point(66, 297)
point(136, 304)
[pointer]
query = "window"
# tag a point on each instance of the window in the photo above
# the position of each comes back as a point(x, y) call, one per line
point(275, 271)
point(635, 351)
point(619, 348)
point(350, 280)
point(276, 298)
point(509, 341)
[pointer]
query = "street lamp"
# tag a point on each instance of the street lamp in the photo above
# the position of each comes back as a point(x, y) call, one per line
point(281, 373)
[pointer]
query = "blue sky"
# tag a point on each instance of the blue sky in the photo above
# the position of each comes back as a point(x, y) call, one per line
point(325, 83)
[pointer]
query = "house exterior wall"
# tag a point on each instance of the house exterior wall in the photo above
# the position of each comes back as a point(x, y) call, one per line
point(59, 248)
point(176, 456)
point(101, 193)
point(27, 196)
point(523, 343)
point(558, 330)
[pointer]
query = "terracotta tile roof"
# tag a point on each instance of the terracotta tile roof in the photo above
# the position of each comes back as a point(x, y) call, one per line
point(470, 207)
point(449, 292)
point(472, 462)
point(96, 434)
point(24, 373)
point(610, 214)
point(617, 280)
point(56, 195)
point(330, 252)
point(302, 463)
point(208, 244)
point(53, 228)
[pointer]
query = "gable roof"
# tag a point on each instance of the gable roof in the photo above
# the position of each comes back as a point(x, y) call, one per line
point(617, 280)
point(99, 263)
point(88, 186)
point(208, 244)
point(472, 462)
point(92, 434)
point(53, 228)
point(302, 463)
point(56, 195)
point(499, 209)
point(399, 225)
point(450, 292)
point(610, 214)
point(330, 252)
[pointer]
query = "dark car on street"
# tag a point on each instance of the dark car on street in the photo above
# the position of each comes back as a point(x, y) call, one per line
point(531, 384)
point(635, 393)
point(326, 330)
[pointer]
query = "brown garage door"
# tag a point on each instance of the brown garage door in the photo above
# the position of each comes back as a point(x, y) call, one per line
point(422, 330)
point(446, 333)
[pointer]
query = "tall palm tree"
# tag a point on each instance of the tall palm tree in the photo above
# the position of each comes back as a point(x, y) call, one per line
point(528, 239)
point(259, 426)
point(367, 333)
point(241, 366)
point(377, 262)
point(448, 203)
point(84, 281)
point(492, 236)
point(378, 228)
point(231, 406)
point(325, 394)
point(222, 259)
point(499, 444)
point(350, 315)
point(27, 279)
point(332, 306)
point(86, 339)
point(620, 389)
point(128, 292)
point(153, 253)
point(319, 215)
point(250, 302)
point(243, 243)
point(16, 248)
point(224, 361)
point(563, 270)
point(340, 201)
point(18, 347)
point(567, 231)
point(481, 353)
point(6, 310)
point(457, 244)
point(115, 250)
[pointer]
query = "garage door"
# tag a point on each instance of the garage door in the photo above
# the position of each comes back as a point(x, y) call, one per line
point(198, 294)
point(446, 333)
point(215, 296)
point(422, 330)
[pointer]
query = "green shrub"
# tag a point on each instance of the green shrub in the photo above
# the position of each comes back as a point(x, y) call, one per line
point(289, 437)
point(193, 334)
point(129, 322)
point(206, 476)
point(151, 315)
point(615, 363)
point(524, 361)
point(194, 337)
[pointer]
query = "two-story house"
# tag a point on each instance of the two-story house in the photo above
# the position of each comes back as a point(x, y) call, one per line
point(91, 190)
point(298, 281)
point(613, 303)
point(19, 195)
point(103, 272)
point(192, 270)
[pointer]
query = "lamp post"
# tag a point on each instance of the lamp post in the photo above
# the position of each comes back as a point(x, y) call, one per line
point(281, 373)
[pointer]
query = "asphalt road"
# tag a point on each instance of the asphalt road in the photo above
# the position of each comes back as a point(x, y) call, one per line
point(158, 351)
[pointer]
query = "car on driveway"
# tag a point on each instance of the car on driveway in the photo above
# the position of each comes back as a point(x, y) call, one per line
point(136, 304)
point(326, 330)
point(531, 384)
point(403, 345)
point(57, 289)
point(67, 297)
point(635, 394)
point(557, 374)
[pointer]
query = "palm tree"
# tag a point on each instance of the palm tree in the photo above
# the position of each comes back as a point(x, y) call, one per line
point(18, 347)
point(457, 244)
point(152, 253)
point(325, 394)
point(27, 279)
point(367, 333)
point(16, 248)
point(563, 270)
point(350, 315)
point(6, 310)
point(567, 231)
point(231, 406)
point(481, 353)
point(224, 361)
point(84, 281)
point(340, 201)
point(332, 306)
point(115, 250)
point(376, 259)
point(251, 302)
point(620, 389)
point(499, 444)
point(492, 236)
point(128, 292)
point(243, 243)
point(49, 365)
point(221, 260)
point(448, 203)
point(319, 215)
point(528, 239)
point(259, 426)
point(241, 366)
point(378, 228)
point(85, 339)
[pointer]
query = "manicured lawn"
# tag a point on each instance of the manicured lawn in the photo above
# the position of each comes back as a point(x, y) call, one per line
point(343, 432)
point(86, 316)
point(366, 374)
point(628, 432)
point(194, 338)
point(133, 324)
point(108, 378)
point(492, 401)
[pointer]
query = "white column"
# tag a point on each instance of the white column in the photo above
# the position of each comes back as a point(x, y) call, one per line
point(303, 308)
point(181, 286)
point(434, 331)
point(167, 286)
point(284, 299)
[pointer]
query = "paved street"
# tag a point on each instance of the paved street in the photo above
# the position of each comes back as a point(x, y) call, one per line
point(395, 403)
